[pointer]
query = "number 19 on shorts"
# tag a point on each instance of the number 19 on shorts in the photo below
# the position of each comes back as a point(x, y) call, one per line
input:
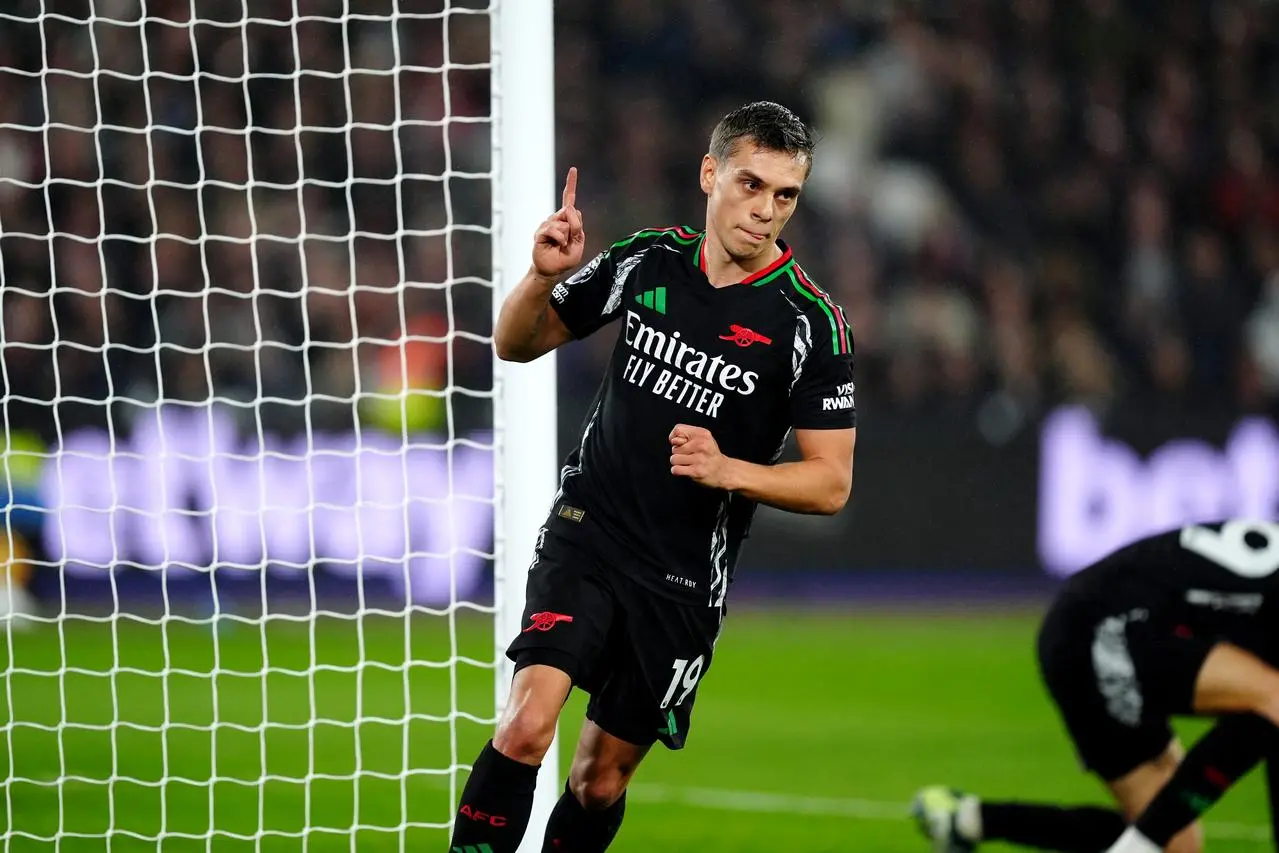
point(686, 674)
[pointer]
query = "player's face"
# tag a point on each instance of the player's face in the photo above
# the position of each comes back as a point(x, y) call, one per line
point(751, 196)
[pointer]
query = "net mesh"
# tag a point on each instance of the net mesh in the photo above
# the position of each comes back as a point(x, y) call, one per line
point(246, 299)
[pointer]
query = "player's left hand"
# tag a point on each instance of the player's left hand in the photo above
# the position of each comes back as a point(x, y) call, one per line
point(695, 454)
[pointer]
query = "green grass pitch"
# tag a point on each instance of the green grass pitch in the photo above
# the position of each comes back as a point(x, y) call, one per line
point(811, 732)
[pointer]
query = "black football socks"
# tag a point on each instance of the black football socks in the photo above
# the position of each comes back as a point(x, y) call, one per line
point(574, 829)
point(1077, 829)
point(1220, 758)
point(496, 804)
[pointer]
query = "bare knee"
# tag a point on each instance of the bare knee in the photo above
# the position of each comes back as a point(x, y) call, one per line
point(1135, 791)
point(597, 786)
point(525, 735)
point(602, 767)
point(527, 726)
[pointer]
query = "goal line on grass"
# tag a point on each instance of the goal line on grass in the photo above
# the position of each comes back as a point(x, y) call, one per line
point(851, 808)
point(768, 802)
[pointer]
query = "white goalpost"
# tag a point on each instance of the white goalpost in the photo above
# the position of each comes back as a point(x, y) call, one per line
point(269, 498)
point(524, 104)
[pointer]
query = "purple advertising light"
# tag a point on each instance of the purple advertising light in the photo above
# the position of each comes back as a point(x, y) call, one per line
point(185, 492)
point(1096, 493)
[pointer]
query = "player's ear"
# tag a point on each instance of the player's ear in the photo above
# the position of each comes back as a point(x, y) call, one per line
point(709, 167)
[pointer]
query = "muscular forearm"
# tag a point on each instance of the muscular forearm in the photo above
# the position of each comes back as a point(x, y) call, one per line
point(524, 329)
point(816, 486)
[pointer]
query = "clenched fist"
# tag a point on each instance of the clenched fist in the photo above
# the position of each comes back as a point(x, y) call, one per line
point(695, 454)
point(559, 242)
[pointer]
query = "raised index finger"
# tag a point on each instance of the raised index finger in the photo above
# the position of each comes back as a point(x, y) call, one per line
point(570, 188)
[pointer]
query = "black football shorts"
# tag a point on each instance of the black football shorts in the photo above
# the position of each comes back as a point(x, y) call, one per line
point(1117, 672)
point(639, 655)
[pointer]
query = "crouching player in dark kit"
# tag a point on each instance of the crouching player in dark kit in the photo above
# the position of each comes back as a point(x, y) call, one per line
point(726, 346)
point(1183, 623)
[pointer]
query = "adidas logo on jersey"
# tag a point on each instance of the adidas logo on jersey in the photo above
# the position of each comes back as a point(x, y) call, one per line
point(655, 299)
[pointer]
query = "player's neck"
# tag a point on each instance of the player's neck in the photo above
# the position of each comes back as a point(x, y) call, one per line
point(723, 270)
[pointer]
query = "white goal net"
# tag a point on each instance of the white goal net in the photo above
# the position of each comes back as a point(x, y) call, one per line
point(248, 259)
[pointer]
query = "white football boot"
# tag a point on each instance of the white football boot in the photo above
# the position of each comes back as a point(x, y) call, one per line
point(948, 818)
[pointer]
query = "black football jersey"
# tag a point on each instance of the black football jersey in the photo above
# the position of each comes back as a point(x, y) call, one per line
point(1212, 578)
point(749, 362)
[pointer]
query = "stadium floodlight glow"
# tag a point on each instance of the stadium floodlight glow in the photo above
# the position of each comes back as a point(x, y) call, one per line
point(276, 495)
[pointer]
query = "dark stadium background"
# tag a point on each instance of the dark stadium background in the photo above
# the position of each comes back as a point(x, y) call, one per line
point(1055, 229)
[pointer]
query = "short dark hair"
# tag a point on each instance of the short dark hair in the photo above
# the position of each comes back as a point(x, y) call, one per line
point(769, 125)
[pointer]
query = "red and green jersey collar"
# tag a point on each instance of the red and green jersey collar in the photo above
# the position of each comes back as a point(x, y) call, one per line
point(696, 241)
point(693, 244)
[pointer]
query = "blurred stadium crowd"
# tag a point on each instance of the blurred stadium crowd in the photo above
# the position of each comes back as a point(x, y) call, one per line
point(197, 206)
point(1028, 201)
point(1019, 202)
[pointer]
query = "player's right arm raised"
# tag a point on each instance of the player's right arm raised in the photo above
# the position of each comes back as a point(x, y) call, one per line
point(527, 327)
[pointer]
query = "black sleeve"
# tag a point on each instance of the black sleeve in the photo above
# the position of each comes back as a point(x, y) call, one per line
point(591, 297)
point(822, 397)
